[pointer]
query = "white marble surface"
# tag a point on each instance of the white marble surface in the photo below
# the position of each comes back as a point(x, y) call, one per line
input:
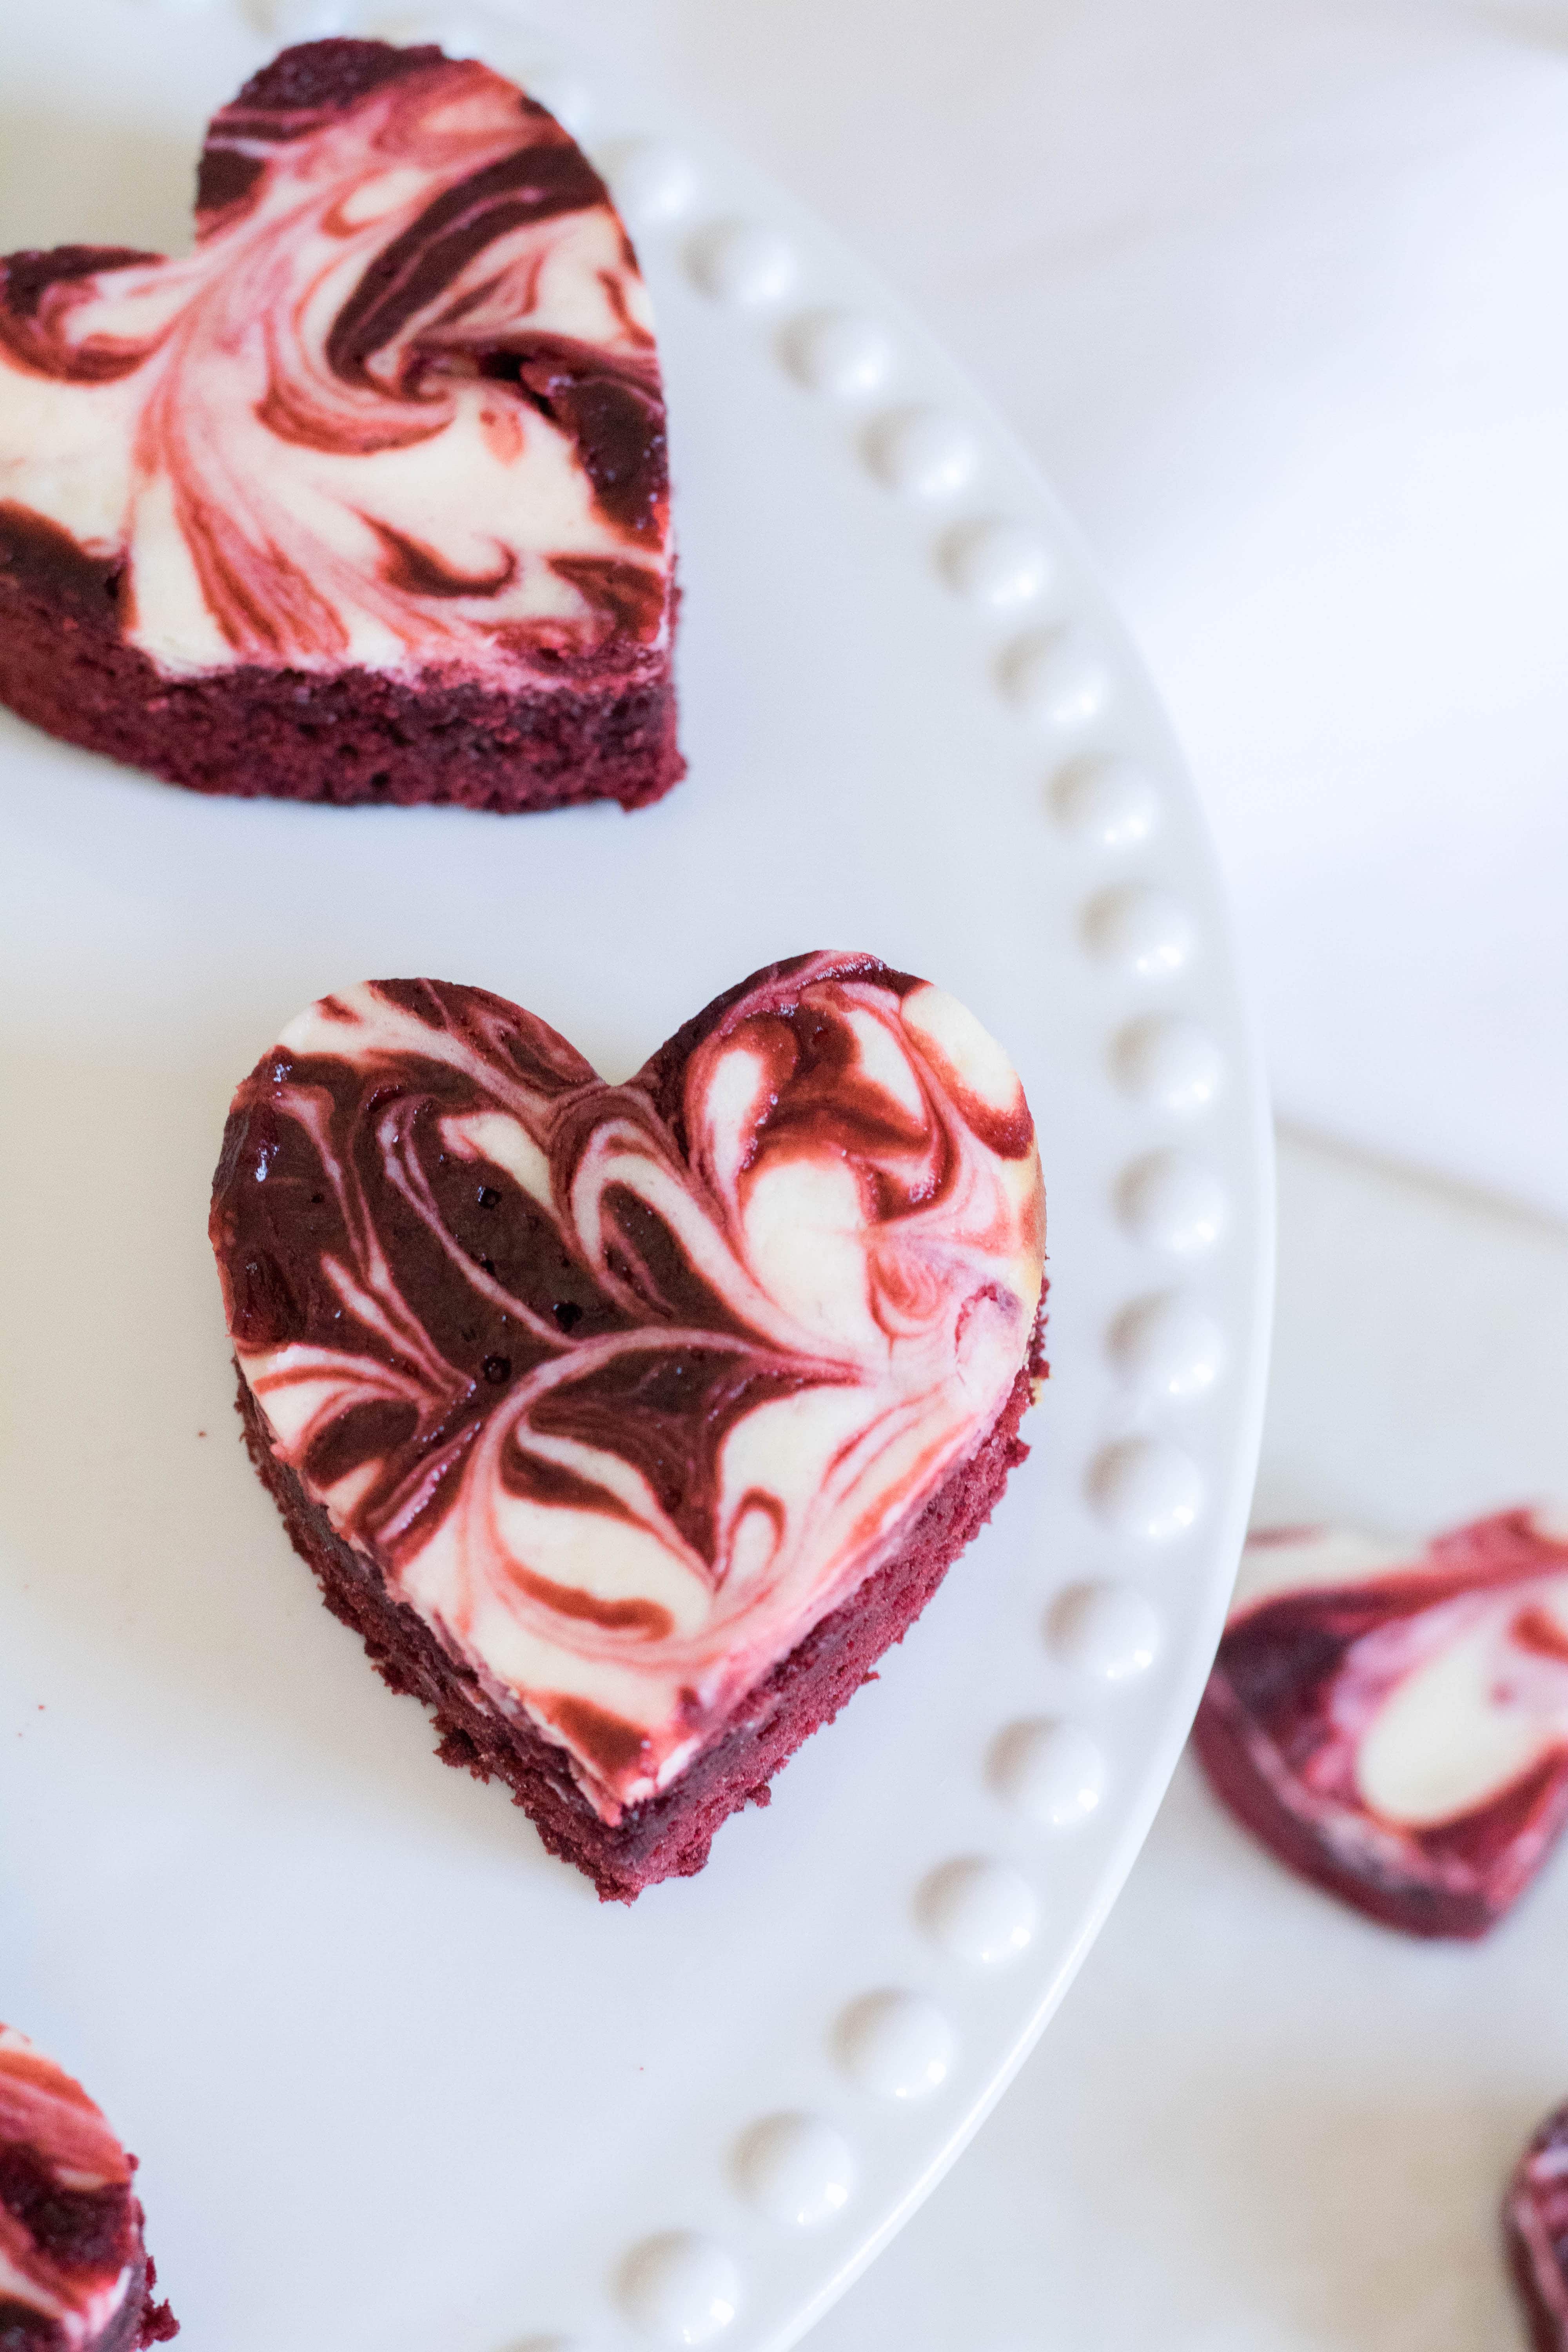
point(1260, 2124)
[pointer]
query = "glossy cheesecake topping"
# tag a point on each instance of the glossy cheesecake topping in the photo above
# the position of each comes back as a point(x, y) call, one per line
point(69, 2246)
point(625, 1388)
point(400, 409)
point(1402, 1709)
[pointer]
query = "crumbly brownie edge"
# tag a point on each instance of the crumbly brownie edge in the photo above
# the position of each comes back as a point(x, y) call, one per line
point(670, 1835)
point(607, 732)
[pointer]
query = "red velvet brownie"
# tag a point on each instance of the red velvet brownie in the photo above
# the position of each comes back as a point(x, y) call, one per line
point(75, 2275)
point(1535, 2231)
point(367, 498)
point(1391, 1720)
point(629, 1424)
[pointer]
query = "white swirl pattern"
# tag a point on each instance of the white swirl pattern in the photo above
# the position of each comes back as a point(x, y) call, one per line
point(733, 1324)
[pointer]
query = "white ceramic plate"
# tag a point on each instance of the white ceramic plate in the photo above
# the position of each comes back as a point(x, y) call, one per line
point(398, 2079)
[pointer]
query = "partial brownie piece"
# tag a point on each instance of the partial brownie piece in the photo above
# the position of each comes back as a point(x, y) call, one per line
point(75, 2275)
point(1391, 1720)
point(1535, 2231)
point(628, 1425)
point(368, 499)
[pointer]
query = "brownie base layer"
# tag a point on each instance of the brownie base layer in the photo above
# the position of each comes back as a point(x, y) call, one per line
point(138, 2323)
point(670, 1836)
point(604, 728)
point(144, 2322)
point(1223, 1742)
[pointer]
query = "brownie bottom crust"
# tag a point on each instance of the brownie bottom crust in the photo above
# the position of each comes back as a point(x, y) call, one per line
point(670, 1835)
point(139, 2323)
point(606, 729)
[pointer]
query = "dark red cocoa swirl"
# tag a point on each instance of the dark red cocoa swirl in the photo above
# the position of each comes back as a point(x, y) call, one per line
point(1537, 1631)
point(276, 1218)
point(1282, 1658)
point(1282, 1653)
point(668, 1413)
point(497, 1284)
point(628, 598)
point(616, 1746)
point(25, 2328)
point(84, 2239)
point(26, 277)
point(420, 571)
point(773, 989)
point(610, 404)
point(225, 179)
point(543, 179)
point(82, 2232)
point(38, 553)
point(819, 1098)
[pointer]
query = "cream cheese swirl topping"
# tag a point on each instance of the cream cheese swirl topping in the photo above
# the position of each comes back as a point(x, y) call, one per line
point(625, 1388)
point(400, 409)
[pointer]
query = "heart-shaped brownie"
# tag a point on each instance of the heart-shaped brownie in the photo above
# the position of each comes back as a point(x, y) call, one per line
point(630, 1423)
point(367, 498)
point(1391, 1720)
point(75, 2273)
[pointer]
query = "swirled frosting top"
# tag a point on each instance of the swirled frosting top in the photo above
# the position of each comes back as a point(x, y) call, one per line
point(626, 1387)
point(68, 2246)
point(1426, 1682)
point(400, 408)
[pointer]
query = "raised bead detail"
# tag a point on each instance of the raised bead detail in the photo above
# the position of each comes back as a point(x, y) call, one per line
point(1057, 677)
point(995, 563)
point(1111, 804)
point(679, 2288)
point(1169, 1062)
point(651, 182)
point(982, 1911)
point(1051, 1772)
point(1108, 1631)
point(1167, 1347)
point(738, 263)
point(836, 351)
point(796, 2170)
point(1172, 1202)
point(897, 2044)
point(1145, 933)
point(1147, 1487)
point(921, 452)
